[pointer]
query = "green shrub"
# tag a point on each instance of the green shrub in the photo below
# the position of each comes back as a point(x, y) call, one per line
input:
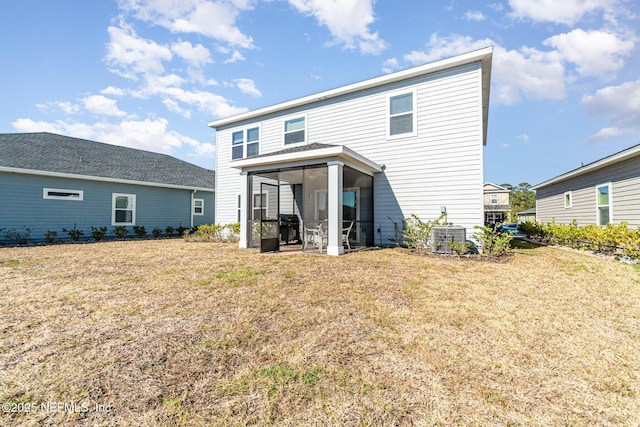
point(156, 232)
point(120, 231)
point(491, 242)
point(139, 230)
point(50, 236)
point(169, 230)
point(74, 233)
point(19, 237)
point(215, 232)
point(98, 233)
point(418, 233)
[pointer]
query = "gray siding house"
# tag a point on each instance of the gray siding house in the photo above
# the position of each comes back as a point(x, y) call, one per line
point(605, 191)
point(365, 156)
point(51, 182)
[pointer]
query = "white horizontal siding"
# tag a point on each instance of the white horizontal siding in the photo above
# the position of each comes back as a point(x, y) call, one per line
point(441, 166)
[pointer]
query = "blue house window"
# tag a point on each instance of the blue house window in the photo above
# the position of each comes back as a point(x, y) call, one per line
point(60, 194)
point(123, 209)
point(198, 206)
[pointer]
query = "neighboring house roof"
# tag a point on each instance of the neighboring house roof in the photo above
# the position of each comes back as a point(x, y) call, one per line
point(46, 153)
point(593, 166)
point(491, 187)
point(482, 55)
point(526, 212)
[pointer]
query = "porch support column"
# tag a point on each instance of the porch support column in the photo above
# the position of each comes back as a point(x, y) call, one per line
point(334, 207)
point(245, 230)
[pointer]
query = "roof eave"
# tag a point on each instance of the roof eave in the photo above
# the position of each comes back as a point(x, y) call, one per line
point(598, 164)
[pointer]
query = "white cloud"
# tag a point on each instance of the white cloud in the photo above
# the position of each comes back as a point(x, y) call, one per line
point(621, 104)
point(474, 15)
point(347, 20)
point(196, 56)
point(523, 137)
point(114, 91)
point(99, 104)
point(515, 73)
point(149, 134)
point(66, 107)
point(215, 19)
point(235, 57)
point(562, 12)
point(248, 86)
point(595, 53)
point(132, 55)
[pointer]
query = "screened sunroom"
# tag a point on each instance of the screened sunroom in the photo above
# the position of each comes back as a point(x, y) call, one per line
point(313, 198)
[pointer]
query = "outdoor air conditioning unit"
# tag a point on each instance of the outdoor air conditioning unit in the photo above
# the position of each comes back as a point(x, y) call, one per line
point(443, 235)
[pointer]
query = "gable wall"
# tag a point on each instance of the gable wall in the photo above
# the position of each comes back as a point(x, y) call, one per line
point(625, 196)
point(441, 166)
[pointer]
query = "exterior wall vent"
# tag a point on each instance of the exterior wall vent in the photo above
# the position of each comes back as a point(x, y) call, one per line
point(443, 235)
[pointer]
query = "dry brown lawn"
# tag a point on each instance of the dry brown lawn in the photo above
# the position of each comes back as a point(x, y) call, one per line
point(171, 332)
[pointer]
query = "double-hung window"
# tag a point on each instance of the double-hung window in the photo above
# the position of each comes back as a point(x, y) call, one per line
point(295, 130)
point(237, 145)
point(123, 209)
point(249, 138)
point(198, 207)
point(603, 203)
point(402, 114)
point(494, 199)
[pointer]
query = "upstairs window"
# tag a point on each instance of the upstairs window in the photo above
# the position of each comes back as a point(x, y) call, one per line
point(253, 142)
point(402, 114)
point(249, 138)
point(294, 130)
point(494, 199)
point(237, 145)
point(603, 203)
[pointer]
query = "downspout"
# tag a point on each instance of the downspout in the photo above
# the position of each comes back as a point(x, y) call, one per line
point(193, 192)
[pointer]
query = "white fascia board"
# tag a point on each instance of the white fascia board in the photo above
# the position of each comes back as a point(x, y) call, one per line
point(598, 164)
point(339, 151)
point(483, 55)
point(99, 179)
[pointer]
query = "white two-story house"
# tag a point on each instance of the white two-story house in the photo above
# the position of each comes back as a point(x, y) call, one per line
point(362, 157)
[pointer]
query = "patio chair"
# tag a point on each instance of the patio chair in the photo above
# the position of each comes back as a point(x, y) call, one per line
point(316, 236)
point(345, 235)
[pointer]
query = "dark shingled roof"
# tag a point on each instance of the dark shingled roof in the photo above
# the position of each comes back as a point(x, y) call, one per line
point(49, 152)
point(298, 149)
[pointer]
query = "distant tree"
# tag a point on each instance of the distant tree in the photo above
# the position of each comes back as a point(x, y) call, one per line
point(522, 197)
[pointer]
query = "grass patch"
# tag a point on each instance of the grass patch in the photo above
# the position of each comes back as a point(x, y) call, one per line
point(168, 332)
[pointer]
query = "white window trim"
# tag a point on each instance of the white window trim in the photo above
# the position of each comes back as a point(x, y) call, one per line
point(414, 113)
point(46, 195)
point(195, 201)
point(564, 199)
point(245, 141)
point(610, 206)
point(306, 130)
point(253, 207)
point(113, 209)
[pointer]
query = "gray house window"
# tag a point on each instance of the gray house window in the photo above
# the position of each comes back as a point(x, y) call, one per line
point(250, 138)
point(294, 130)
point(567, 199)
point(603, 203)
point(60, 194)
point(123, 209)
point(402, 118)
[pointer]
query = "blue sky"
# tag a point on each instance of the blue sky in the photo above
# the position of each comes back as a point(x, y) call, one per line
point(151, 74)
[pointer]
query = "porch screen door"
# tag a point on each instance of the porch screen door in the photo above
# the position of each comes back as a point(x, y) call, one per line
point(270, 217)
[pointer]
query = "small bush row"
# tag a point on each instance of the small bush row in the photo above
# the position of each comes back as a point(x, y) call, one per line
point(215, 233)
point(612, 239)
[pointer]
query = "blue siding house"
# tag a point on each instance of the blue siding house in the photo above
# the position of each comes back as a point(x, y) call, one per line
point(50, 182)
